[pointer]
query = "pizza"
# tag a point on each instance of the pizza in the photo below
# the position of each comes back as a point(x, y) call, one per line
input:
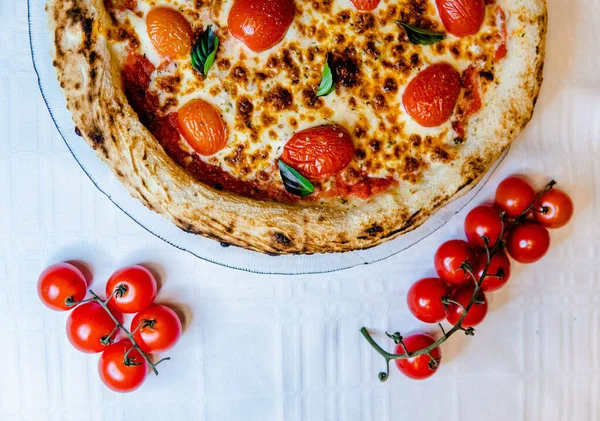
point(288, 126)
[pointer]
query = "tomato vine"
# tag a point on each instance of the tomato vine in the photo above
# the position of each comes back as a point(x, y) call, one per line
point(492, 251)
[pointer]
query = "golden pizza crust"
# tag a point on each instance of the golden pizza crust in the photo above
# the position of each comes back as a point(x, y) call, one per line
point(92, 85)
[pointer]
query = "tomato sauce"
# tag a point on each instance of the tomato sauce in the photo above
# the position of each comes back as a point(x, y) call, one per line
point(136, 76)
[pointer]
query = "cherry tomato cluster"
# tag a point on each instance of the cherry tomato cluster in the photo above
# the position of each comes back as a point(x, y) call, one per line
point(517, 223)
point(96, 325)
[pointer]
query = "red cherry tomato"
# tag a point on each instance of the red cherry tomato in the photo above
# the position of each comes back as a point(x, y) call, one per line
point(61, 284)
point(170, 32)
point(422, 366)
point(425, 300)
point(365, 5)
point(462, 17)
point(514, 195)
point(160, 328)
point(202, 126)
point(449, 259)
point(139, 286)
point(432, 94)
point(119, 373)
point(463, 296)
point(89, 327)
point(260, 24)
point(483, 221)
point(319, 152)
point(528, 243)
point(498, 271)
point(554, 209)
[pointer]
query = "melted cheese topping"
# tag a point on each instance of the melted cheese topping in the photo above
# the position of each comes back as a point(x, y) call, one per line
point(265, 98)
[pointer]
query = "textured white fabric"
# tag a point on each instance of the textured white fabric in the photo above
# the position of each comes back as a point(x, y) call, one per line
point(267, 348)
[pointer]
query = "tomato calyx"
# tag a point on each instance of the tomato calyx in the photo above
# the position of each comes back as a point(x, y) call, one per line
point(463, 308)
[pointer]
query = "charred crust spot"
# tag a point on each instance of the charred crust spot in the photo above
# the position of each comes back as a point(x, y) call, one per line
point(282, 239)
point(279, 98)
point(96, 137)
point(86, 26)
point(373, 230)
point(224, 244)
point(77, 131)
point(409, 223)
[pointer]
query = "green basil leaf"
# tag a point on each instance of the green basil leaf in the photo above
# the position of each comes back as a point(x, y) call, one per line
point(327, 84)
point(294, 183)
point(421, 36)
point(204, 51)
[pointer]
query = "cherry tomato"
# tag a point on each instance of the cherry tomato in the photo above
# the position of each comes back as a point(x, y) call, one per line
point(483, 221)
point(528, 243)
point(136, 289)
point(160, 328)
point(319, 152)
point(514, 195)
point(119, 373)
point(463, 296)
point(554, 209)
point(425, 300)
point(89, 327)
point(260, 24)
point(431, 96)
point(498, 271)
point(202, 126)
point(462, 17)
point(449, 259)
point(365, 5)
point(170, 32)
point(422, 366)
point(61, 284)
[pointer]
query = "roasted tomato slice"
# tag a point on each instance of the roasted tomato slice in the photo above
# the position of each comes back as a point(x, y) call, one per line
point(365, 4)
point(319, 152)
point(169, 32)
point(462, 17)
point(431, 96)
point(260, 24)
point(202, 127)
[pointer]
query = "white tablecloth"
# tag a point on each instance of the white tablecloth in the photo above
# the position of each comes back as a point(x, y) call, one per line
point(267, 348)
